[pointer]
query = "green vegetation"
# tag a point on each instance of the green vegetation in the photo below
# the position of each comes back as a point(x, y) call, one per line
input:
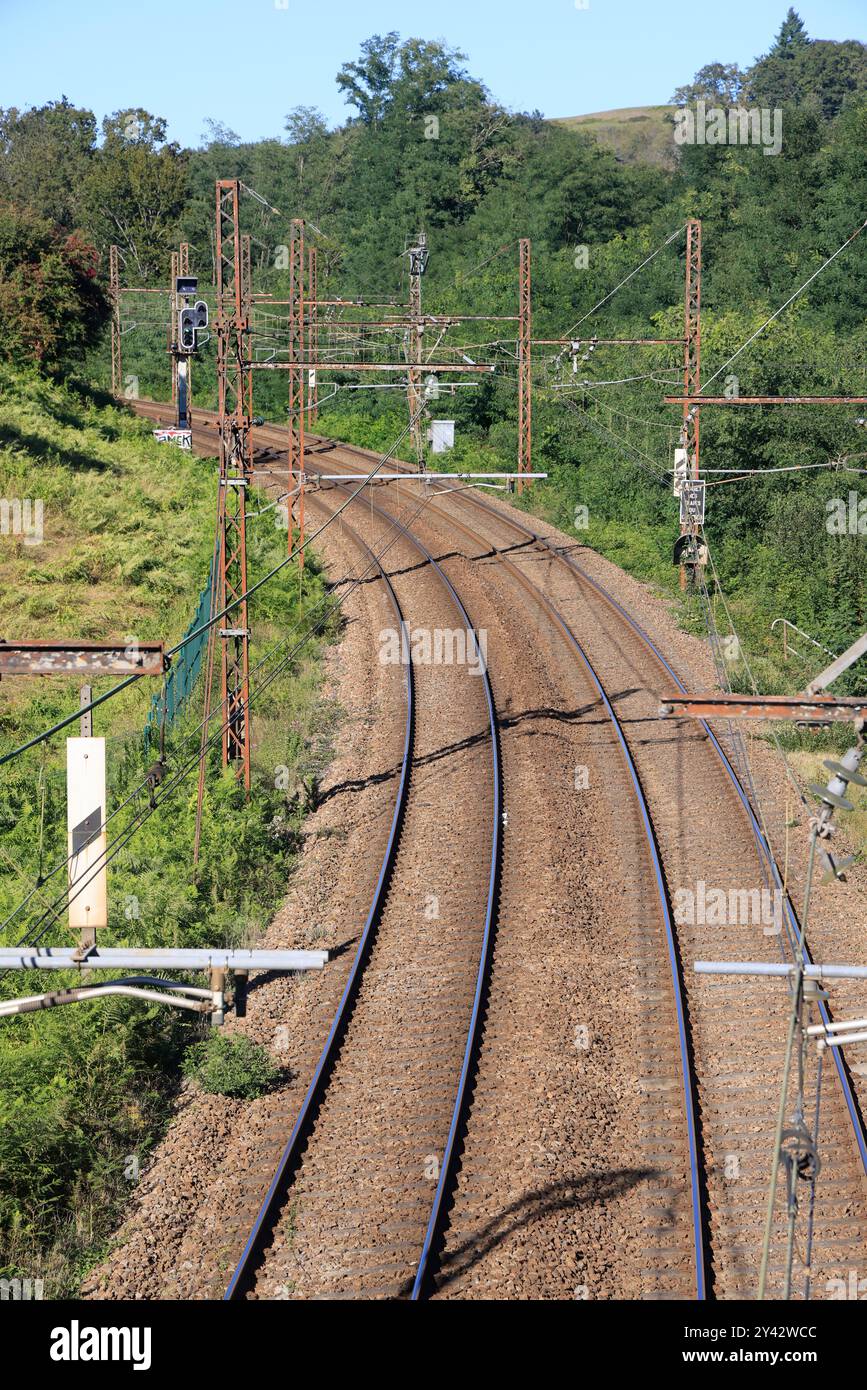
point(635, 134)
point(86, 1090)
point(226, 1066)
point(487, 176)
point(51, 306)
point(127, 525)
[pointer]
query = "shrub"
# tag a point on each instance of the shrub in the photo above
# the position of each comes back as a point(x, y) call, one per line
point(227, 1066)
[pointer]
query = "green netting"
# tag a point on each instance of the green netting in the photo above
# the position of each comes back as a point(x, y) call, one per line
point(183, 673)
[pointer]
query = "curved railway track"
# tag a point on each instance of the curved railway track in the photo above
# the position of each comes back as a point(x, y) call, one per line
point(679, 1169)
point(713, 1047)
point(389, 1086)
point(736, 1030)
point(245, 1268)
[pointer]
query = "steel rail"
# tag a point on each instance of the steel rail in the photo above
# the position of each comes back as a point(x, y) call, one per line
point(246, 1265)
point(420, 1281)
point(841, 1067)
point(687, 1075)
point(765, 852)
point(764, 848)
point(687, 1072)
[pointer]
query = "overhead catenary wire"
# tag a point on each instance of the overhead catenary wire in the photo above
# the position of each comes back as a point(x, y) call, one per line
point(777, 312)
point(625, 281)
point(191, 636)
point(63, 901)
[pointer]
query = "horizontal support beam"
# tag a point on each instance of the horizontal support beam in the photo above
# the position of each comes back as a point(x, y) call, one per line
point(123, 958)
point(422, 477)
point(772, 970)
point(347, 303)
point(81, 658)
point(765, 400)
point(839, 665)
point(816, 709)
point(427, 367)
point(425, 321)
point(608, 342)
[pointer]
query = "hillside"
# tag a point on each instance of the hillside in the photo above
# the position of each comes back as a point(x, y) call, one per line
point(123, 550)
point(635, 134)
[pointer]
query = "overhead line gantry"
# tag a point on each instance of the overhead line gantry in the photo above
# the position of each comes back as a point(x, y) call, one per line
point(236, 466)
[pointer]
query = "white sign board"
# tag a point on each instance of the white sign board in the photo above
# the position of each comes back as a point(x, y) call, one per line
point(681, 470)
point(87, 838)
point(442, 435)
point(172, 435)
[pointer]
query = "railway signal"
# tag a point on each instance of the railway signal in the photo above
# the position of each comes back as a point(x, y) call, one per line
point(190, 322)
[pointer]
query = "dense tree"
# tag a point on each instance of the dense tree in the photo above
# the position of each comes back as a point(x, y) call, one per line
point(219, 134)
point(45, 154)
point(720, 83)
point(798, 70)
point(792, 38)
point(51, 306)
point(405, 78)
point(366, 83)
point(136, 191)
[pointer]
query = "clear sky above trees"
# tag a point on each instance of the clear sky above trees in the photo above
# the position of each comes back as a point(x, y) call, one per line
point(548, 56)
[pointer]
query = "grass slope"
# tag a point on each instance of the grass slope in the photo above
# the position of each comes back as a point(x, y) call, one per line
point(636, 134)
point(128, 528)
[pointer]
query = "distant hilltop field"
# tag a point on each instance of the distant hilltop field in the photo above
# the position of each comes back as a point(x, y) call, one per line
point(636, 134)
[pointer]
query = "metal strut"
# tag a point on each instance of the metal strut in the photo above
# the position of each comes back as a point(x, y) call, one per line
point(114, 294)
point(525, 365)
point(297, 374)
point(690, 431)
point(313, 335)
point(236, 463)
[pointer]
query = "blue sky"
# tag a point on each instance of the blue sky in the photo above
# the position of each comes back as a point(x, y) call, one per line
point(166, 55)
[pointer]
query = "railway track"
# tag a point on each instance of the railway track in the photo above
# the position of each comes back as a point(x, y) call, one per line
point(353, 1204)
point(736, 1031)
point(710, 1053)
point(677, 1165)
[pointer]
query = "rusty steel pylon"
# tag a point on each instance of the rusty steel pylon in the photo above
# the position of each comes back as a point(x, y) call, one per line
point(247, 307)
point(180, 266)
point(114, 295)
point(313, 334)
point(691, 363)
point(418, 258)
point(233, 387)
point(173, 324)
point(525, 364)
point(297, 372)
